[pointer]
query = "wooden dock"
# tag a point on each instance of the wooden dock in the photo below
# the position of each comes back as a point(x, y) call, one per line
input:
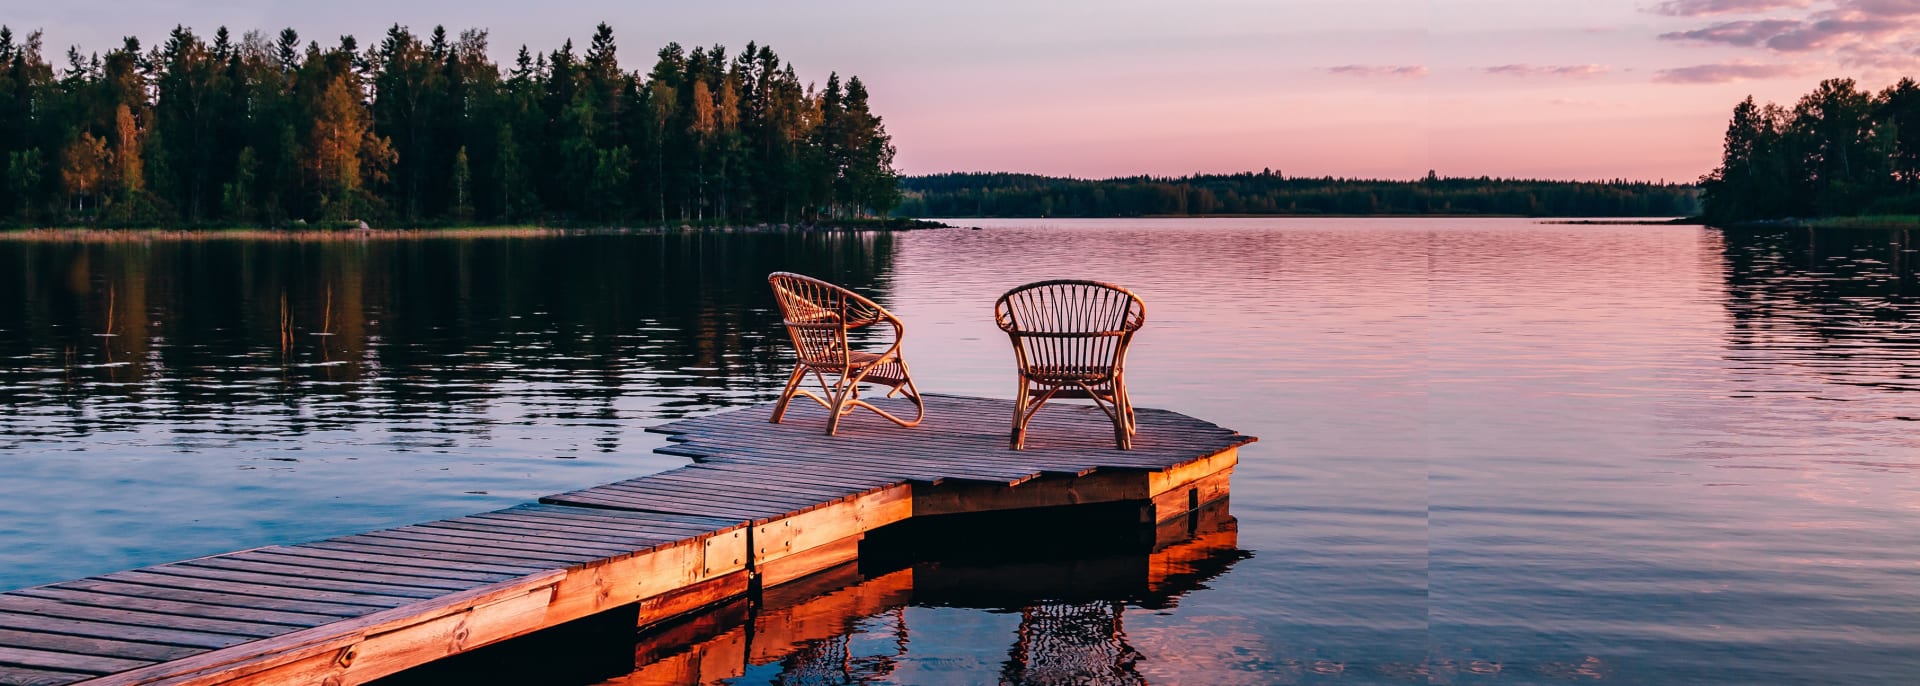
point(763, 504)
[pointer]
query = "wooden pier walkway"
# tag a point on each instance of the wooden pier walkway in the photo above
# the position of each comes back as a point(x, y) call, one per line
point(763, 504)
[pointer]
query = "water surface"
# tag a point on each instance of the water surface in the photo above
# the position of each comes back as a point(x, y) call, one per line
point(1491, 450)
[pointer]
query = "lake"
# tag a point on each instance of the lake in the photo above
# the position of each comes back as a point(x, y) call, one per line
point(1492, 450)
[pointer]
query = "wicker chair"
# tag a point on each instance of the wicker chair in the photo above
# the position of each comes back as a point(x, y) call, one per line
point(818, 315)
point(1070, 339)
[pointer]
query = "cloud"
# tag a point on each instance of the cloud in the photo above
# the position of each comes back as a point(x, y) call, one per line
point(1882, 35)
point(1745, 33)
point(1375, 70)
point(1574, 71)
point(1882, 8)
point(1726, 72)
point(1832, 32)
point(1701, 8)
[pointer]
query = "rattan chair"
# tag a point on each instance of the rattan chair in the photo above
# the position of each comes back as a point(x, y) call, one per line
point(818, 316)
point(1070, 339)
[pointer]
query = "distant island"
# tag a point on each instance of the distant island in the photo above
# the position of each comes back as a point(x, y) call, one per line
point(1270, 193)
point(1840, 157)
point(267, 130)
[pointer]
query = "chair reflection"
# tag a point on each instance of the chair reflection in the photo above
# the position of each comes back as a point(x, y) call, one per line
point(850, 626)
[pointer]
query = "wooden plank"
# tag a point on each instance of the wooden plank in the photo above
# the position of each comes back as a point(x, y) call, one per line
point(306, 572)
point(343, 562)
point(661, 533)
point(1192, 470)
point(548, 535)
point(637, 503)
point(1181, 499)
point(698, 476)
point(118, 632)
point(28, 676)
point(293, 584)
point(709, 496)
point(1099, 487)
point(385, 653)
point(701, 594)
point(424, 542)
point(437, 539)
point(66, 662)
point(161, 576)
point(101, 647)
point(829, 524)
point(496, 536)
point(176, 607)
point(54, 609)
point(402, 562)
point(455, 555)
point(717, 523)
point(864, 483)
point(234, 600)
point(294, 657)
point(628, 521)
point(787, 567)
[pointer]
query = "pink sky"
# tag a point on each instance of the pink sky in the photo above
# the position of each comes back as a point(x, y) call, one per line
point(1384, 88)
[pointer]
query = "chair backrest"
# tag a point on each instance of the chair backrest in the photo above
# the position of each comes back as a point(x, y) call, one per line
point(1070, 323)
point(818, 314)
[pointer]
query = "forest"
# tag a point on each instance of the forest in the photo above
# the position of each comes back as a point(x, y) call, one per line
point(1268, 192)
point(259, 130)
point(1840, 151)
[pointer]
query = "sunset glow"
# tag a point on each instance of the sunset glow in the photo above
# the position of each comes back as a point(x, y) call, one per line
point(1582, 89)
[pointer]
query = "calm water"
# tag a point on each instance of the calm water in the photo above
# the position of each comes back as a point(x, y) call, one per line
point(1492, 450)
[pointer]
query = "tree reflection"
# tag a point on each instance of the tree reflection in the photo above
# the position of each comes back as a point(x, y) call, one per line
point(1844, 303)
point(216, 334)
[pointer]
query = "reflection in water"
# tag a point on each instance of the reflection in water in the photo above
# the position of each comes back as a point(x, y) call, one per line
point(1844, 304)
point(109, 336)
point(1065, 603)
point(203, 395)
point(1493, 451)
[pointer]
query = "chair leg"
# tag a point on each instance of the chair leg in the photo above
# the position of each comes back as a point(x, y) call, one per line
point(843, 393)
point(1020, 417)
point(786, 395)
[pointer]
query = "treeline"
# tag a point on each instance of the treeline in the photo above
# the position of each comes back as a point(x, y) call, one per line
point(260, 130)
point(1840, 151)
point(1268, 192)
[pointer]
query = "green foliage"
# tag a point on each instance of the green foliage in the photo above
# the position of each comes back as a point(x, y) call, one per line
point(1840, 151)
point(1270, 193)
point(427, 131)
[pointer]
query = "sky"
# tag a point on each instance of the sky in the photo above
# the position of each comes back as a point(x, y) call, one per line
point(1571, 89)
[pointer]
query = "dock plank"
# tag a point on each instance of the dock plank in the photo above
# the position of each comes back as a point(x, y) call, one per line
point(177, 607)
point(29, 676)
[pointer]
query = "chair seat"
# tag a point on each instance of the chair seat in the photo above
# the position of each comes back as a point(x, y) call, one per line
point(854, 359)
point(1069, 374)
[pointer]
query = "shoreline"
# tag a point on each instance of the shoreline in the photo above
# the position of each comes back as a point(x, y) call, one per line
point(80, 234)
point(1861, 223)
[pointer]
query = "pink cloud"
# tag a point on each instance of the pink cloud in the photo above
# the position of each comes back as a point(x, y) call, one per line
point(1726, 72)
point(1877, 34)
point(1375, 70)
point(1882, 8)
point(1701, 8)
point(1577, 71)
point(1744, 33)
point(1831, 32)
